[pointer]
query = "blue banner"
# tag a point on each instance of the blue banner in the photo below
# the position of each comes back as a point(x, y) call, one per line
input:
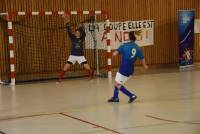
point(186, 37)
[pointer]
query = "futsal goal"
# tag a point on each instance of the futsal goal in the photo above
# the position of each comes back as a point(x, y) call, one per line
point(35, 45)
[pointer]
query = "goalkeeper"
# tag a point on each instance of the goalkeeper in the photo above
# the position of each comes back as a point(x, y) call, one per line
point(77, 54)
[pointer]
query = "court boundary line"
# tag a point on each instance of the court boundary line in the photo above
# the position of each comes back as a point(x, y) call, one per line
point(63, 114)
point(26, 116)
point(131, 127)
point(90, 123)
point(173, 121)
point(93, 124)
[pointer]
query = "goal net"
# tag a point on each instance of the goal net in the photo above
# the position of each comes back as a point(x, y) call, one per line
point(42, 46)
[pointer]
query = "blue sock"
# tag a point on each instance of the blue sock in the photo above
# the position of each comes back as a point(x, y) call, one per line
point(116, 92)
point(126, 92)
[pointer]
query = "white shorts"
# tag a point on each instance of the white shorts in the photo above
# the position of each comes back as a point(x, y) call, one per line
point(80, 59)
point(121, 79)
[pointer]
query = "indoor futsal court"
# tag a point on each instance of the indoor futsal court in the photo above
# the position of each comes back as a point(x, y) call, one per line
point(99, 67)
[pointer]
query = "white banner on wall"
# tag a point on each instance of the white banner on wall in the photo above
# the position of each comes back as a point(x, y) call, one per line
point(119, 33)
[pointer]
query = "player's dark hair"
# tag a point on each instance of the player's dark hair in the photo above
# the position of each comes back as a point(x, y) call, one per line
point(132, 36)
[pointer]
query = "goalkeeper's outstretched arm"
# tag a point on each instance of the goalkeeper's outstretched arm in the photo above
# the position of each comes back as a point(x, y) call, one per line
point(69, 29)
point(81, 29)
point(66, 18)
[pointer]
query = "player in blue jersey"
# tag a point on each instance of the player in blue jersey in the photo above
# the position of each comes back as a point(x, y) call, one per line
point(130, 52)
point(77, 54)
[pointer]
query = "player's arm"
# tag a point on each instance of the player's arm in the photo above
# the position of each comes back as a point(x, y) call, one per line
point(141, 57)
point(144, 64)
point(66, 18)
point(69, 29)
point(115, 53)
point(82, 31)
point(118, 51)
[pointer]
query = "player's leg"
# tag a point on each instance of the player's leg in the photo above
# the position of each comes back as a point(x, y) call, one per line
point(71, 60)
point(124, 90)
point(65, 68)
point(82, 60)
point(90, 71)
point(115, 97)
point(119, 82)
